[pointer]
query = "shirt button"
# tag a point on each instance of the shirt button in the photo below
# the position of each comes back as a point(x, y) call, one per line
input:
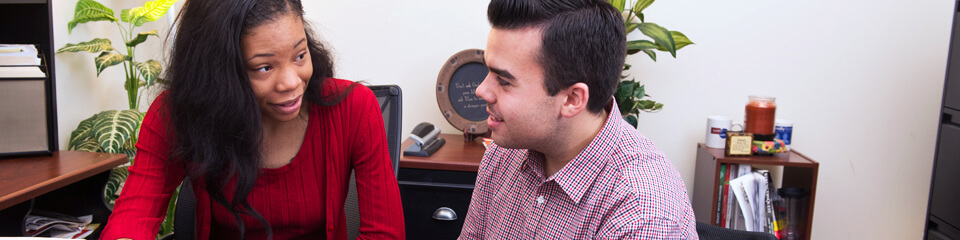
point(329, 227)
point(541, 199)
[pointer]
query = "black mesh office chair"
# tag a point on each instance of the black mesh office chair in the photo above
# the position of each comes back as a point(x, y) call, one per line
point(184, 227)
point(710, 232)
point(390, 104)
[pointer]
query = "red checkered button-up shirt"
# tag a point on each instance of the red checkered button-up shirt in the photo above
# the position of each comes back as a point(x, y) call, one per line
point(619, 187)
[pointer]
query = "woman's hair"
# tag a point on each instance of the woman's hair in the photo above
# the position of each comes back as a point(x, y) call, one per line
point(214, 118)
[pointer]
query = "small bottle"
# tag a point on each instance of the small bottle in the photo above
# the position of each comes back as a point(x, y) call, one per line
point(760, 114)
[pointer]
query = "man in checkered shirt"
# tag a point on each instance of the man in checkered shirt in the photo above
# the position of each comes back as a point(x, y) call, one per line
point(564, 164)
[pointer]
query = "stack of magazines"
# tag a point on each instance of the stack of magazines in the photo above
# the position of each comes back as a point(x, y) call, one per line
point(20, 61)
point(50, 224)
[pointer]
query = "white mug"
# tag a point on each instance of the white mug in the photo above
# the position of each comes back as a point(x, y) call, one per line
point(717, 127)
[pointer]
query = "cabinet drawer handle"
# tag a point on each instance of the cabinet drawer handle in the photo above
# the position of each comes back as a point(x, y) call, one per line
point(444, 214)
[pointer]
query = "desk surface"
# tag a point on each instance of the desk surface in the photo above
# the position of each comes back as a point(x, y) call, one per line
point(455, 155)
point(22, 179)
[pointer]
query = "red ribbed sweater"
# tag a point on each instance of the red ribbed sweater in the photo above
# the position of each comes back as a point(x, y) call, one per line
point(303, 199)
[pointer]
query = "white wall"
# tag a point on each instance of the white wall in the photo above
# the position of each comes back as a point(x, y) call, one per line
point(861, 79)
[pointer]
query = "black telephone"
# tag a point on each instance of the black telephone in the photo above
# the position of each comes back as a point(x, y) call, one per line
point(426, 140)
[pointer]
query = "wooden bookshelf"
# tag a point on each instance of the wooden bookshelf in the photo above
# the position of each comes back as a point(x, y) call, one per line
point(29, 22)
point(797, 171)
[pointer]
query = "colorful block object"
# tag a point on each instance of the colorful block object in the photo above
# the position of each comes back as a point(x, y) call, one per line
point(766, 148)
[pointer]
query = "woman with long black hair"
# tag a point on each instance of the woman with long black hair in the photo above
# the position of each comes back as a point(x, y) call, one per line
point(252, 115)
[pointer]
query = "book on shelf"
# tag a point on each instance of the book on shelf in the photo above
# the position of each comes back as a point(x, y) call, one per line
point(724, 197)
point(720, 183)
point(749, 199)
point(768, 224)
point(21, 72)
point(19, 55)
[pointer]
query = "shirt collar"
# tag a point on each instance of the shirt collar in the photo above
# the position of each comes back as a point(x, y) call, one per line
point(577, 176)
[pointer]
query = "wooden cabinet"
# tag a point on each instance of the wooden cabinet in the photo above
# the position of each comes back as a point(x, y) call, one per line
point(796, 170)
point(443, 182)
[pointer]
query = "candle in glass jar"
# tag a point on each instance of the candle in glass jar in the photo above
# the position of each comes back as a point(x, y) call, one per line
point(760, 115)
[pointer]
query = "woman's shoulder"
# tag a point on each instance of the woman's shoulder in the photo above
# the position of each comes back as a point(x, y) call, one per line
point(354, 92)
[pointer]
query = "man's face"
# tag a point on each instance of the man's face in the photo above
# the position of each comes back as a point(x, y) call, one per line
point(522, 115)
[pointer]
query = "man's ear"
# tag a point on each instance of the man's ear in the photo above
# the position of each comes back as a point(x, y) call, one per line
point(576, 99)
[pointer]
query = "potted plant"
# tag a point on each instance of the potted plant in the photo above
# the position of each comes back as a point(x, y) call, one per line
point(115, 131)
point(630, 94)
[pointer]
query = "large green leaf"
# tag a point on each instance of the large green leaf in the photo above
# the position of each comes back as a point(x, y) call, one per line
point(141, 37)
point(680, 39)
point(649, 105)
point(89, 10)
point(639, 91)
point(115, 127)
point(640, 5)
point(96, 45)
point(641, 45)
point(107, 59)
point(651, 53)
point(631, 26)
point(149, 70)
point(114, 185)
point(83, 132)
point(619, 4)
point(125, 15)
point(660, 35)
point(632, 119)
point(87, 145)
point(624, 90)
point(149, 12)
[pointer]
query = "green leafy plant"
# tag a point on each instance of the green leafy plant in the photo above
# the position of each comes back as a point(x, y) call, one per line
point(115, 131)
point(631, 96)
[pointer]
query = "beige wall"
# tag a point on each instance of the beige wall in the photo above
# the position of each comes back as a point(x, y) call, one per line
point(862, 80)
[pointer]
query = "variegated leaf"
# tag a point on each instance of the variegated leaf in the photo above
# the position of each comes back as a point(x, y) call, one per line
point(651, 53)
point(631, 26)
point(660, 35)
point(141, 37)
point(115, 127)
point(115, 185)
point(83, 132)
point(107, 59)
point(89, 10)
point(149, 70)
point(94, 46)
point(87, 145)
point(125, 15)
point(680, 39)
point(640, 5)
point(150, 11)
point(619, 4)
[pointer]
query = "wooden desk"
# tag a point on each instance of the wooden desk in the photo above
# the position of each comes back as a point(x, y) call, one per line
point(455, 155)
point(442, 180)
point(69, 182)
point(24, 178)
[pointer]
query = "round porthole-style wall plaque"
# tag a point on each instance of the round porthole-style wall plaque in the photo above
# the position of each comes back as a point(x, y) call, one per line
point(456, 91)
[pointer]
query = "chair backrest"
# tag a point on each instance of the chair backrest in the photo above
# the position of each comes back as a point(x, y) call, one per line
point(390, 105)
point(710, 232)
point(184, 217)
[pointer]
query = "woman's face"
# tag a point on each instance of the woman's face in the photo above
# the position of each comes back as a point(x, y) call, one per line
point(278, 63)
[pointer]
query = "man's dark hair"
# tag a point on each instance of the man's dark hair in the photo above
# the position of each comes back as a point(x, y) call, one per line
point(583, 41)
